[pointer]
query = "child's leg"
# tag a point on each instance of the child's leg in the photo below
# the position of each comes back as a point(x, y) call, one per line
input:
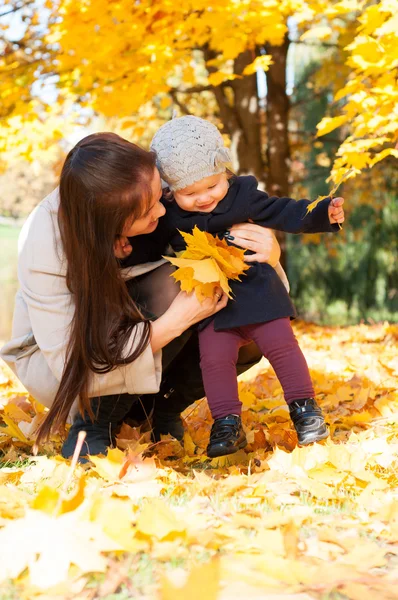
point(218, 357)
point(278, 343)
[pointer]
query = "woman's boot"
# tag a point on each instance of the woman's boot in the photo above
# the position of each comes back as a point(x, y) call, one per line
point(109, 412)
point(161, 411)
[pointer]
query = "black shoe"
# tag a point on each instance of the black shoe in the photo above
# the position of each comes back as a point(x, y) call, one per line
point(226, 437)
point(308, 421)
point(109, 412)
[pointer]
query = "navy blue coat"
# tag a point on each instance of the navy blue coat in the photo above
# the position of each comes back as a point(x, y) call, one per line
point(261, 295)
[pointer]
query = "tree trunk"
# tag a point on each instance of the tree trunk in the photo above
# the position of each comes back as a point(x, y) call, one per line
point(277, 119)
point(240, 117)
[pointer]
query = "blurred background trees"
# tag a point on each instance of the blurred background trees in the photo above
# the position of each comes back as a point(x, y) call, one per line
point(302, 91)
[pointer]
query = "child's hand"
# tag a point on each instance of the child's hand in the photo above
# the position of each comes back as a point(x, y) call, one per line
point(122, 247)
point(336, 211)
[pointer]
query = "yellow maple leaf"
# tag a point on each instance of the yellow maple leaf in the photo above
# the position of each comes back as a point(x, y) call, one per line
point(220, 76)
point(346, 175)
point(13, 430)
point(202, 582)
point(261, 62)
point(328, 124)
point(158, 520)
point(206, 263)
point(108, 467)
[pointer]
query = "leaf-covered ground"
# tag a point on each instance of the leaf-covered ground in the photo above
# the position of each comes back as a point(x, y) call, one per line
point(275, 521)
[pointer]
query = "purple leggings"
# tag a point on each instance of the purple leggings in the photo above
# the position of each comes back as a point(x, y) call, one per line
point(219, 354)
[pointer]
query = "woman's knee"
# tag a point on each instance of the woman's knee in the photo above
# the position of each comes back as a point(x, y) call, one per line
point(157, 289)
point(249, 355)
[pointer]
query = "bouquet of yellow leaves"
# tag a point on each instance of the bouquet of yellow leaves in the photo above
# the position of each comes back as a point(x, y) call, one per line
point(206, 264)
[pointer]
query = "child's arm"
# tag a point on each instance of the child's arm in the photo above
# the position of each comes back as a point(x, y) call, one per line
point(283, 214)
point(291, 216)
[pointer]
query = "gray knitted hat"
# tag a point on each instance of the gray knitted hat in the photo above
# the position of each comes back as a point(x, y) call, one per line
point(189, 149)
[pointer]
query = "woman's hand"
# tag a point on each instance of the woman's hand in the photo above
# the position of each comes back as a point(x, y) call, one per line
point(122, 247)
point(187, 310)
point(260, 240)
point(184, 311)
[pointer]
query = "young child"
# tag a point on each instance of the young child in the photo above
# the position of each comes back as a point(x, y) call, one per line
point(192, 161)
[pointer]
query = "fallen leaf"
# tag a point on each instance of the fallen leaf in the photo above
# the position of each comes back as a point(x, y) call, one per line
point(157, 520)
point(202, 582)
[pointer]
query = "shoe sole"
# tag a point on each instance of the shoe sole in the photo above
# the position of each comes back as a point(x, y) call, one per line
point(232, 451)
point(313, 438)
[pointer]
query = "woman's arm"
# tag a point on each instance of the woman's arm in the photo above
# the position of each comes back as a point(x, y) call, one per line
point(50, 310)
point(184, 311)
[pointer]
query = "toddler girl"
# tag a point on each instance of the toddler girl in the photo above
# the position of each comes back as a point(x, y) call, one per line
point(192, 161)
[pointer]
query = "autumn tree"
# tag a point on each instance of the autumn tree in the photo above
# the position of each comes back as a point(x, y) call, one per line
point(118, 57)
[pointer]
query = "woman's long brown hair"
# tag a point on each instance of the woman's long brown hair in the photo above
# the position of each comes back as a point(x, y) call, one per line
point(105, 182)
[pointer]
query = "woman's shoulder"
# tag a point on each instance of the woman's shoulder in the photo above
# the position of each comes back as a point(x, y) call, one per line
point(39, 240)
point(42, 216)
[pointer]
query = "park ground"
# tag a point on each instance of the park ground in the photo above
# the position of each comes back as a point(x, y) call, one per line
point(273, 522)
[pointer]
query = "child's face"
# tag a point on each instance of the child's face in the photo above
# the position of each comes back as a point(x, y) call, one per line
point(204, 195)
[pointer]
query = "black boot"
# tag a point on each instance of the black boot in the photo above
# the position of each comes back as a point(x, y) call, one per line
point(109, 413)
point(308, 421)
point(226, 437)
point(162, 412)
point(167, 414)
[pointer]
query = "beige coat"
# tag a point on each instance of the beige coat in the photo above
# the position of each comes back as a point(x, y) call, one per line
point(44, 309)
point(43, 312)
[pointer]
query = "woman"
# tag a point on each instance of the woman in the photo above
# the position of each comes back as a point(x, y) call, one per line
point(80, 338)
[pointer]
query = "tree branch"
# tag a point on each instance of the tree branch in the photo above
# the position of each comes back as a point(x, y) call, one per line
point(197, 89)
point(183, 108)
point(227, 114)
point(16, 8)
point(319, 43)
point(313, 134)
point(8, 42)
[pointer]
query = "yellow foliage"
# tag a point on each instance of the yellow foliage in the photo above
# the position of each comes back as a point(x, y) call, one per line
point(320, 32)
point(202, 582)
point(371, 93)
point(117, 57)
point(328, 124)
point(274, 520)
point(207, 263)
point(344, 176)
point(261, 62)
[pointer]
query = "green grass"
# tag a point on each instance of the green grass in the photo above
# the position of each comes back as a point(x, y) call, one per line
point(17, 464)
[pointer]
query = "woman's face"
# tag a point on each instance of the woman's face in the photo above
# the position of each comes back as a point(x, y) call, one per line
point(149, 221)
